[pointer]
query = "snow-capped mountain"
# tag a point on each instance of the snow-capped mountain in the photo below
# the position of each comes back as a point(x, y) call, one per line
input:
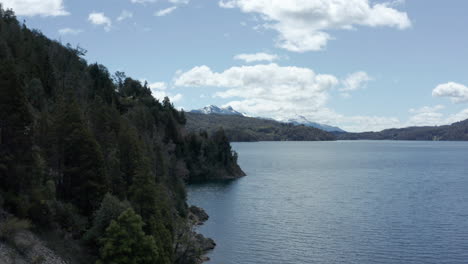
point(302, 120)
point(213, 109)
point(297, 120)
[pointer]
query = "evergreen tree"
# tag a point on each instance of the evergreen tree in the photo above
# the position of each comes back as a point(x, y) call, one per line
point(17, 163)
point(124, 242)
point(84, 181)
point(111, 208)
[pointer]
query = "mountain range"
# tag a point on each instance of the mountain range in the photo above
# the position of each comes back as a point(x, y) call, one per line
point(296, 120)
point(455, 132)
point(213, 109)
point(240, 128)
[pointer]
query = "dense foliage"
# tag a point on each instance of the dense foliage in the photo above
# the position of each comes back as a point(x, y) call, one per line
point(241, 128)
point(95, 155)
point(455, 132)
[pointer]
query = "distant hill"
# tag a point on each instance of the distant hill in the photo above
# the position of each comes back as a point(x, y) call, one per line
point(454, 132)
point(242, 128)
point(298, 120)
point(302, 120)
point(213, 109)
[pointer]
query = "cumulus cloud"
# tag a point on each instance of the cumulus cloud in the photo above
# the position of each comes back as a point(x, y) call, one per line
point(458, 93)
point(266, 89)
point(100, 19)
point(303, 25)
point(69, 31)
point(158, 86)
point(125, 15)
point(158, 94)
point(36, 7)
point(355, 81)
point(166, 11)
point(256, 57)
point(158, 90)
point(283, 92)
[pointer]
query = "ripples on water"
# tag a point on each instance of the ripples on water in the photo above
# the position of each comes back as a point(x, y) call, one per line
point(341, 202)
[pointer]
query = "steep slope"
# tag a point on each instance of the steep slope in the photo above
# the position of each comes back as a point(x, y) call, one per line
point(95, 157)
point(241, 128)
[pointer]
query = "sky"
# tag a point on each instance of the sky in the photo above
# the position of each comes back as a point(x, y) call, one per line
point(362, 65)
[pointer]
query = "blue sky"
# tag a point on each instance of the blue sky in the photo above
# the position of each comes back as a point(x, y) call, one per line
point(357, 64)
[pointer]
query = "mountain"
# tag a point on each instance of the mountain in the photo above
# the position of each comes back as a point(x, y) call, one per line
point(242, 128)
point(213, 109)
point(455, 132)
point(302, 120)
point(298, 120)
point(93, 161)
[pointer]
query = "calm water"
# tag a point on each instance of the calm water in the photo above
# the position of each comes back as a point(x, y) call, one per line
point(341, 202)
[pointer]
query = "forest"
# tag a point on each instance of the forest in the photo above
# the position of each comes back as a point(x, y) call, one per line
point(93, 158)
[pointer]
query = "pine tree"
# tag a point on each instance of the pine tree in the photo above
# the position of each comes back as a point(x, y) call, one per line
point(111, 208)
point(84, 181)
point(145, 199)
point(125, 242)
point(16, 155)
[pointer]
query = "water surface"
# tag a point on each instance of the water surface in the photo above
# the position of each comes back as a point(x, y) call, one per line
point(341, 202)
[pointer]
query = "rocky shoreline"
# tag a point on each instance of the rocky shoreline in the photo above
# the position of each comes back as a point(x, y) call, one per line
point(198, 217)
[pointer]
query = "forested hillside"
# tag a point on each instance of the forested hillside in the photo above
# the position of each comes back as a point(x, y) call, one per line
point(455, 132)
point(240, 128)
point(94, 156)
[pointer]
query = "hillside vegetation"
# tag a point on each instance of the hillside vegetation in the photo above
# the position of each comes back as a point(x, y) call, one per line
point(454, 132)
point(241, 128)
point(94, 157)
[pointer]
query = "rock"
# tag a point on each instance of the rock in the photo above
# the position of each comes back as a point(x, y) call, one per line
point(197, 215)
point(205, 243)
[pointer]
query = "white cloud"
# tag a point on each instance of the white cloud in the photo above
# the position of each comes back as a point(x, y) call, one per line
point(462, 115)
point(158, 90)
point(36, 7)
point(166, 11)
point(100, 19)
point(125, 15)
point(256, 57)
point(161, 94)
point(69, 31)
point(303, 25)
point(355, 81)
point(426, 116)
point(158, 86)
point(281, 92)
point(179, 1)
point(176, 2)
point(367, 123)
point(142, 1)
point(265, 90)
point(458, 93)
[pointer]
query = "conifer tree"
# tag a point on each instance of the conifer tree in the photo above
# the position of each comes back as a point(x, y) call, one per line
point(125, 242)
point(16, 156)
point(84, 181)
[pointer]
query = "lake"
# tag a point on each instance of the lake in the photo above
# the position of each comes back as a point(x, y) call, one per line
point(341, 202)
